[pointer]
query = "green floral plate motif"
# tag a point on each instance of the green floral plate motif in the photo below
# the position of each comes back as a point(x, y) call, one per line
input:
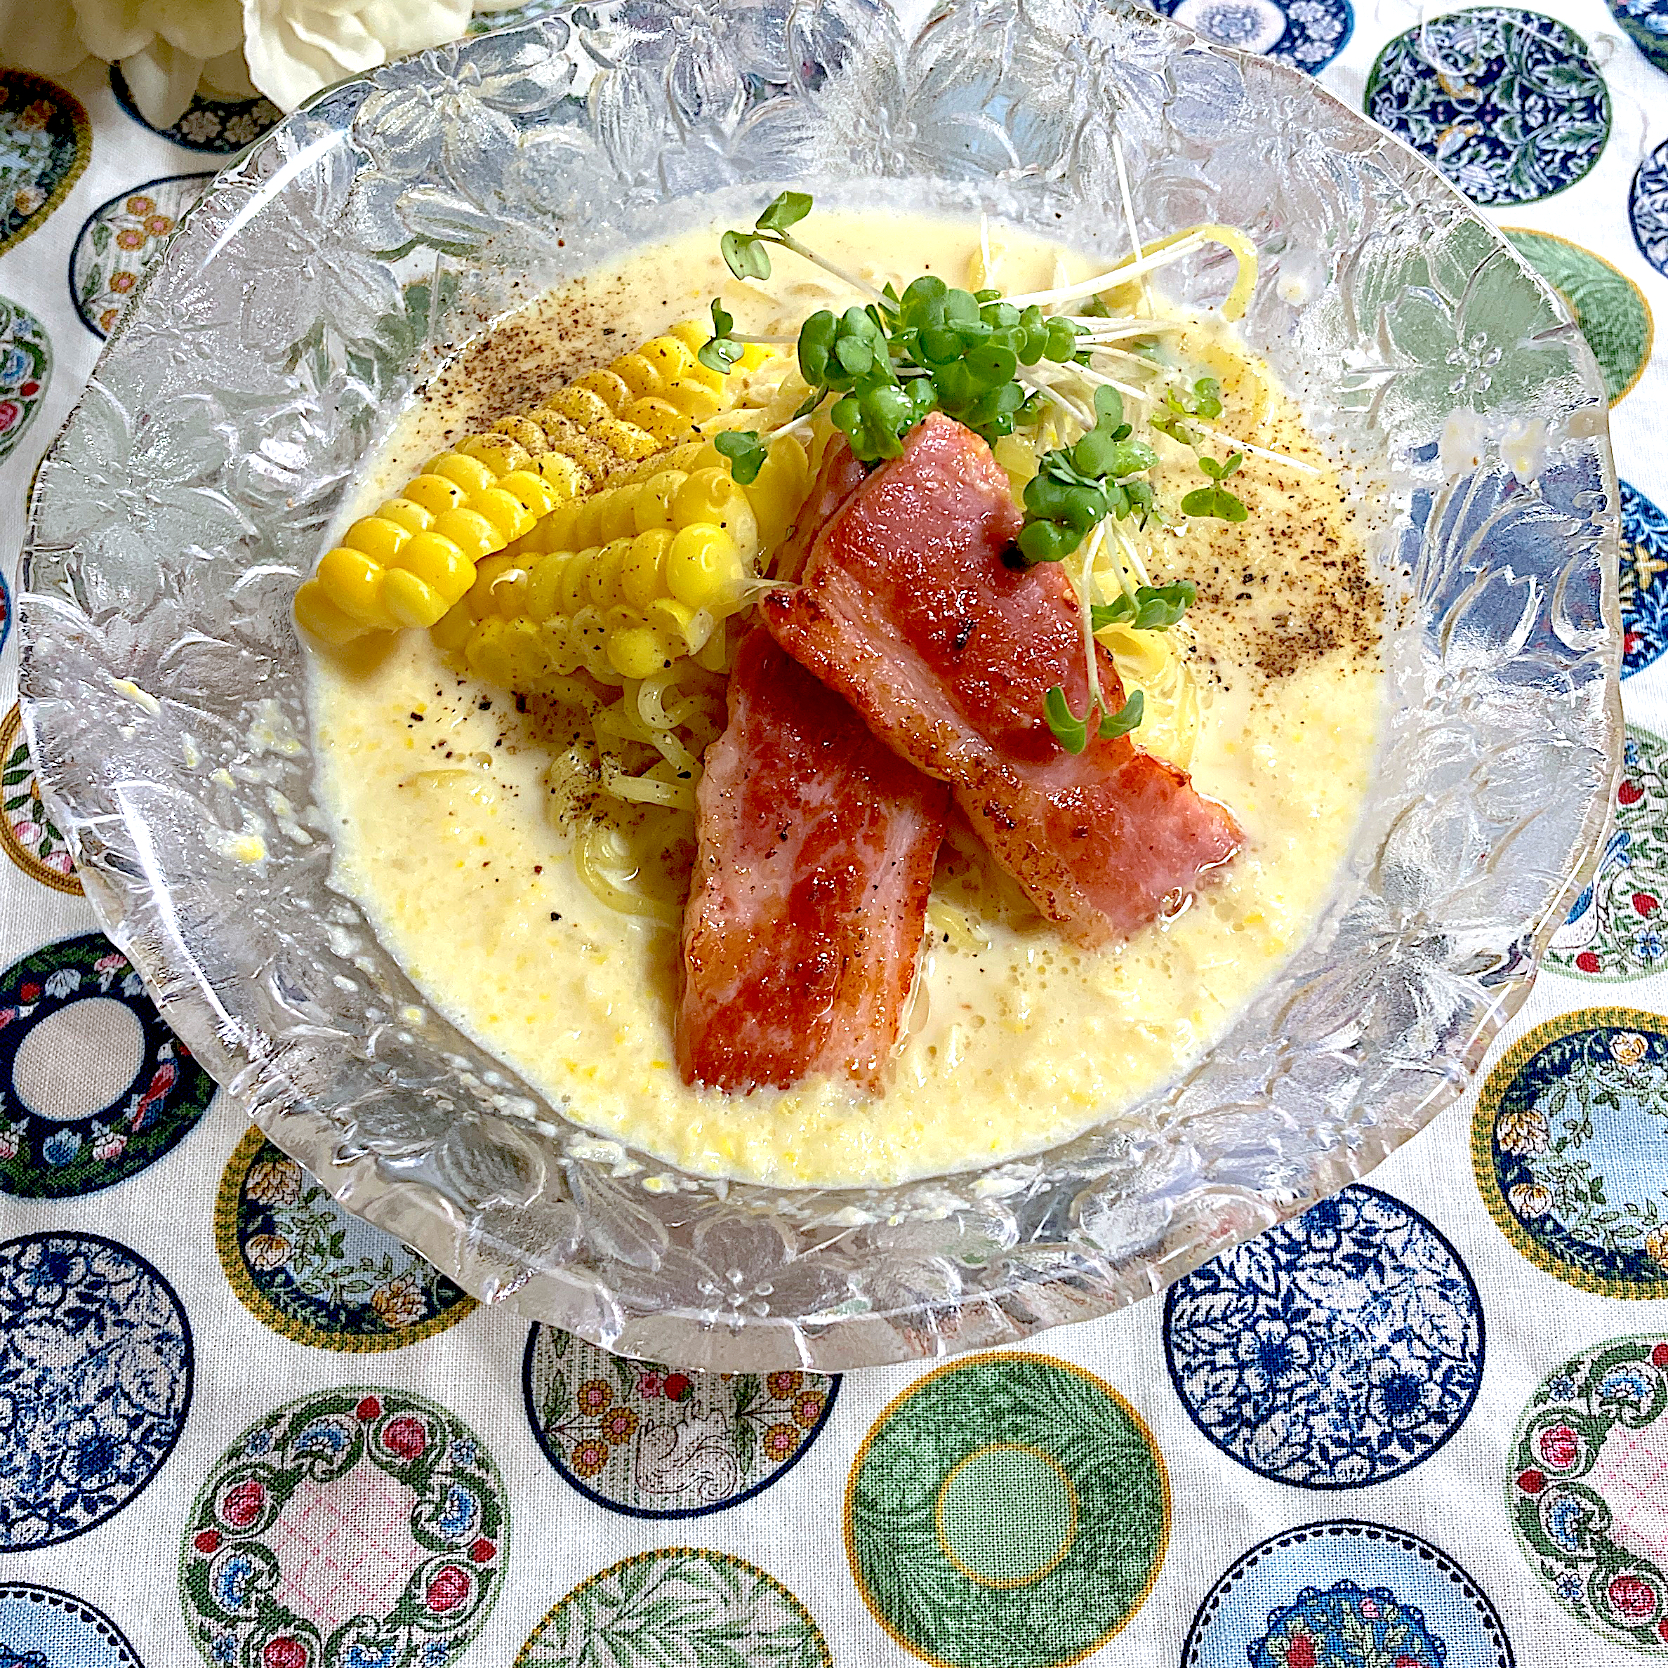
point(25, 370)
point(1584, 1489)
point(352, 1527)
point(1610, 308)
point(27, 832)
point(651, 1441)
point(1615, 928)
point(309, 1270)
point(681, 1605)
point(1570, 1148)
point(1011, 1511)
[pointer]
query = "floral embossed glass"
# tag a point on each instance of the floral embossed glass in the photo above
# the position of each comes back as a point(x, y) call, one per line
point(319, 281)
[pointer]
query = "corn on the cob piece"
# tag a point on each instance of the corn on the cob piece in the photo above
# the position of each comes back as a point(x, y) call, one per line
point(632, 579)
point(407, 565)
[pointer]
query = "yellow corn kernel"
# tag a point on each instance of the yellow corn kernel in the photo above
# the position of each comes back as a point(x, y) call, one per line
point(436, 494)
point(693, 335)
point(496, 450)
point(652, 505)
point(626, 440)
point(556, 530)
point(451, 631)
point(694, 400)
point(404, 513)
point(779, 489)
point(563, 474)
point(579, 405)
point(602, 583)
point(353, 581)
point(642, 376)
point(636, 652)
point(409, 601)
point(438, 562)
point(567, 436)
point(684, 628)
point(559, 653)
point(754, 354)
point(616, 512)
point(704, 569)
point(469, 473)
point(524, 650)
point(711, 495)
point(608, 386)
point(525, 433)
point(315, 612)
point(543, 599)
point(484, 653)
point(470, 531)
point(656, 415)
point(509, 592)
point(574, 589)
point(643, 572)
point(531, 491)
point(376, 537)
point(587, 523)
point(479, 596)
point(507, 518)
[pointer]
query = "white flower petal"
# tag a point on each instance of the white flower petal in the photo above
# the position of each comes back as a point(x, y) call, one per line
point(199, 28)
point(40, 38)
point(162, 80)
point(228, 74)
point(110, 28)
point(409, 25)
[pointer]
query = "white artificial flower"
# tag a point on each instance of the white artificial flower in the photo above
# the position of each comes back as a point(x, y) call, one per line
point(295, 47)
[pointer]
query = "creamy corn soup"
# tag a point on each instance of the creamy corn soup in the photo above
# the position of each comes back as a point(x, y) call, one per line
point(448, 833)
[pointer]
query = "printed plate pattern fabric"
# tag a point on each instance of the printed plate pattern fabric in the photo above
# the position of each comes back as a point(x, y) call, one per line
point(218, 125)
point(682, 1605)
point(25, 371)
point(1646, 25)
point(1584, 1489)
point(1570, 1147)
point(44, 145)
point(1610, 308)
point(651, 1441)
point(1615, 928)
point(1644, 580)
point(120, 239)
point(27, 831)
point(1009, 1511)
point(1507, 103)
point(1346, 1594)
point(137, 1094)
point(1647, 208)
point(95, 1380)
point(310, 1270)
point(1336, 1350)
point(41, 1627)
point(352, 1527)
point(1307, 34)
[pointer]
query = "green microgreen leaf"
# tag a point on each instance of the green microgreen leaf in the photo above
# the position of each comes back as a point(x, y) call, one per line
point(744, 254)
point(746, 452)
point(1071, 732)
point(720, 353)
point(785, 210)
point(1125, 719)
point(1214, 501)
point(1151, 608)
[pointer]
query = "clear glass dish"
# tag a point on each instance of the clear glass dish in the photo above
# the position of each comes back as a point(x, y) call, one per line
point(319, 282)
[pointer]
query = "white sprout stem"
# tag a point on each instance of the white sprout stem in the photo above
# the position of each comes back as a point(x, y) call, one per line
point(1084, 373)
point(1078, 414)
point(1129, 215)
point(984, 248)
point(761, 341)
point(1097, 329)
point(1226, 439)
point(1085, 606)
point(829, 267)
point(1115, 279)
point(1133, 557)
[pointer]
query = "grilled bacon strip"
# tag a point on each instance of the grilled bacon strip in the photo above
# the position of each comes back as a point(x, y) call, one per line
point(815, 851)
point(908, 610)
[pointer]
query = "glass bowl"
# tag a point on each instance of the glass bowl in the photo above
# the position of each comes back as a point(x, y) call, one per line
point(328, 271)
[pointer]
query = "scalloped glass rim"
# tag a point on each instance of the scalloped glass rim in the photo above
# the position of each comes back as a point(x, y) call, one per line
point(188, 491)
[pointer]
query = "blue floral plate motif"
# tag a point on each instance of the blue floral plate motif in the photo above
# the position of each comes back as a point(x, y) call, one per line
point(41, 1627)
point(1645, 23)
point(95, 1380)
point(1644, 580)
point(1647, 208)
point(1307, 34)
point(1507, 103)
point(1346, 1594)
point(1333, 1351)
